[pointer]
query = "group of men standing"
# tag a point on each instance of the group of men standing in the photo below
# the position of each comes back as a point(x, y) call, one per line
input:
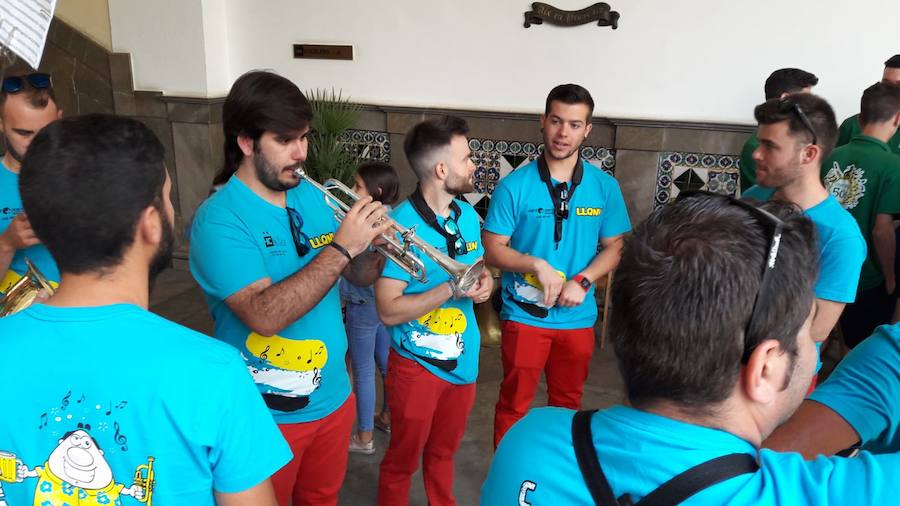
point(705, 343)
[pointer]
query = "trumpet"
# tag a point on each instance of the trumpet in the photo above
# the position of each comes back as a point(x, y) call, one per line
point(24, 291)
point(146, 481)
point(462, 276)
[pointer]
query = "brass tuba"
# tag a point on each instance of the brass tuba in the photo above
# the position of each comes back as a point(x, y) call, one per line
point(22, 294)
point(462, 276)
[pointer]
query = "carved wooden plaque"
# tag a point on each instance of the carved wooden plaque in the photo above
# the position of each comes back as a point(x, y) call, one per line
point(600, 12)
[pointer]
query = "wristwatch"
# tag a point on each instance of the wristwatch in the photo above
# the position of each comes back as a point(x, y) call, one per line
point(583, 281)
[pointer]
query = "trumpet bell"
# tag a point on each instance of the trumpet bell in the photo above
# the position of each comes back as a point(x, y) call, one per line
point(24, 291)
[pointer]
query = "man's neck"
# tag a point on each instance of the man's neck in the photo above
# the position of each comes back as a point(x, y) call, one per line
point(11, 163)
point(436, 198)
point(727, 417)
point(562, 169)
point(806, 191)
point(247, 174)
point(881, 131)
point(121, 285)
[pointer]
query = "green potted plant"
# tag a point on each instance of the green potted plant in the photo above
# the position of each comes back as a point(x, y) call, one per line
point(329, 154)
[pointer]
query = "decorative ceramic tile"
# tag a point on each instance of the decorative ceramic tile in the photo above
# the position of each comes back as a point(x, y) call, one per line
point(679, 171)
point(369, 144)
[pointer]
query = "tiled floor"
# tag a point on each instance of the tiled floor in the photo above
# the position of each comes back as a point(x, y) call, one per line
point(177, 297)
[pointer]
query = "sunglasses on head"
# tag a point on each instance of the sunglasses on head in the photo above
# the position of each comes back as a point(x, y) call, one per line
point(37, 80)
point(774, 227)
point(788, 105)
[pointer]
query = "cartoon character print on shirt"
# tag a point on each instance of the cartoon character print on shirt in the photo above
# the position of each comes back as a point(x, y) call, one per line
point(437, 337)
point(848, 186)
point(528, 293)
point(287, 371)
point(77, 473)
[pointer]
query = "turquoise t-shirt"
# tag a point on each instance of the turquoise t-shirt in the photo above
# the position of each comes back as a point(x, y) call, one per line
point(10, 206)
point(535, 464)
point(96, 392)
point(863, 390)
point(521, 208)
point(237, 238)
point(446, 340)
point(842, 248)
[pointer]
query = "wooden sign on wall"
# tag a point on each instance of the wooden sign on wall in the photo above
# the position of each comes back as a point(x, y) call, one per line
point(323, 52)
point(600, 12)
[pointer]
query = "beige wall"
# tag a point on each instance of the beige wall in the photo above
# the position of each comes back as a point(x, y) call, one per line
point(90, 17)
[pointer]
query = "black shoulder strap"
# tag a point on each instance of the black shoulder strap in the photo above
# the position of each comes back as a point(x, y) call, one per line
point(588, 462)
point(561, 195)
point(674, 491)
point(427, 214)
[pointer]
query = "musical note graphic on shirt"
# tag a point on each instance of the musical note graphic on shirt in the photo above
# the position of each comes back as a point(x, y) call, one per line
point(43, 421)
point(265, 354)
point(79, 401)
point(120, 438)
point(65, 401)
point(321, 350)
point(121, 405)
point(280, 353)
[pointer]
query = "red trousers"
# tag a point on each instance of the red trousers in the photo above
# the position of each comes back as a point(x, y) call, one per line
point(428, 420)
point(315, 474)
point(526, 352)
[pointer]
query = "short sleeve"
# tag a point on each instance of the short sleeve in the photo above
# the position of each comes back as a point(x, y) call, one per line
point(839, 268)
point(249, 447)
point(615, 214)
point(223, 256)
point(501, 215)
point(865, 386)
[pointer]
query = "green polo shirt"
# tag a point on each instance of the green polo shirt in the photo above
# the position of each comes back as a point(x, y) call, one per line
point(748, 166)
point(865, 178)
point(850, 128)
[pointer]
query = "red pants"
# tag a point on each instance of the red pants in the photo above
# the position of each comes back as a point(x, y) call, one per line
point(526, 351)
point(315, 474)
point(428, 420)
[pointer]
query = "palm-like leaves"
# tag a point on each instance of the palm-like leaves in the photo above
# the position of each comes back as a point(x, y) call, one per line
point(329, 155)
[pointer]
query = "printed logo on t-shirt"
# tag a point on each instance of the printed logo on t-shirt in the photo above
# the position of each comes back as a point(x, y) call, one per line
point(471, 246)
point(437, 337)
point(320, 241)
point(77, 470)
point(527, 486)
point(287, 371)
point(848, 185)
point(8, 213)
point(542, 212)
point(528, 293)
point(267, 240)
point(588, 211)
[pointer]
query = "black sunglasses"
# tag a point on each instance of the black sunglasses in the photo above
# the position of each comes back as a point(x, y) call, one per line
point(301, 240)
point(774, 226)
point(455, 240)
point(37, 80)
point(562, 194)
point(786, 104)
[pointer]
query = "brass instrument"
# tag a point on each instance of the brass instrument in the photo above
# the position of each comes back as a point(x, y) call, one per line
point(24, 291)
point(462, 276)
point(147, 482)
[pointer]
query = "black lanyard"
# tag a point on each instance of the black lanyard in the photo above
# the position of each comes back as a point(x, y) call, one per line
point(561, 194)
point(426, 213)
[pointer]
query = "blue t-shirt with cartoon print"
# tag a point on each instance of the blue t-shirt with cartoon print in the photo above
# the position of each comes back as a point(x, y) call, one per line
point(842, 248)
point(522, 209)
point(864, 388)
point(237, 238)
point(638, 451)
point(99, 394)
point(444, 341)
point(39, 255)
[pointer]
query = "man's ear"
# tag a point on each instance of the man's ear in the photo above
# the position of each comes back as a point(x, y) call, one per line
point(440, 170)
point(246, 144)
point(150, 225)
point(809, 153)
point(763, 375)
point(59, 114)
point(587, 128)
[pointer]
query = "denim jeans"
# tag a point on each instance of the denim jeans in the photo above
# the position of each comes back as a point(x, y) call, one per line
point(369, 343)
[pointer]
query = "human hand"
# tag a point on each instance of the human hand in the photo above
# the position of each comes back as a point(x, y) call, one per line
point(365, 221)
point(550, 280)
point(481, 290)
point(19, 234)
point(572, 294)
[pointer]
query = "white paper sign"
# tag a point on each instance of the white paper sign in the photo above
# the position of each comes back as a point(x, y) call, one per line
point(24, 25)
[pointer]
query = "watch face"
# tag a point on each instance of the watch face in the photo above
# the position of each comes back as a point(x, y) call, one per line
point(585, 283)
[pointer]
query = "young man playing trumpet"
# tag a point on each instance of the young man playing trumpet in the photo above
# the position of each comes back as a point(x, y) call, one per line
point(267, 251)
point(435, 341)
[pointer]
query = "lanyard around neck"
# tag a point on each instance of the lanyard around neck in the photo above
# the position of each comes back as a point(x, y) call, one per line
point(561, 194)
point(417, 200)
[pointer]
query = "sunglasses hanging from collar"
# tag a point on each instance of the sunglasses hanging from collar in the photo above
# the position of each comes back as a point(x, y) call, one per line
point(561, 194)
point(456, 245)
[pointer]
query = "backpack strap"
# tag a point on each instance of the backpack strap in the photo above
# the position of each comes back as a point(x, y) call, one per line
point(588, 462)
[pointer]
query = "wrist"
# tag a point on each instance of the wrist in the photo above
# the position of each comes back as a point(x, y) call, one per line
point(342, 250)
point(538, 264)
point(582, 281)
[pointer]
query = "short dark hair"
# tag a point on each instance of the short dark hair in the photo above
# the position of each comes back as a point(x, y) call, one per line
point(788, 80)
point(880, 102)
point(570, 94)
point(684, 290)
point(817, 110)
point(381, 181)
point(429, 136)
point(893, 62)
point(260, 101)
point(85, 181)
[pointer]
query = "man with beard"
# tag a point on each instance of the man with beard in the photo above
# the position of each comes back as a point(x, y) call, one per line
point(554, 227)
point(27, 104)
point(94, 371)
point(711, 313)
point(267, 252)
point(435, 340)
point(796, 133)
